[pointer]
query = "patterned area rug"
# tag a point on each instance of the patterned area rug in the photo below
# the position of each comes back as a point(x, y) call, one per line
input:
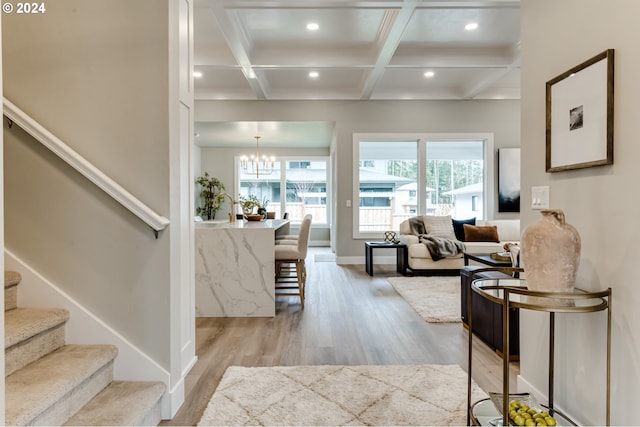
point(436, 299)
point(341, 395)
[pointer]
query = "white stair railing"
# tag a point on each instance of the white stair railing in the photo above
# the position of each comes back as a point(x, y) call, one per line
point(82, 165)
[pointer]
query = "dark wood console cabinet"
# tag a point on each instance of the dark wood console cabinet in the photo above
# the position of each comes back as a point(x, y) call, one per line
point(487, 315)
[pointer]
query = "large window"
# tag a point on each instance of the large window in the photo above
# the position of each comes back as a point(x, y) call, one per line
point(455, 178)
point(387, 179)
point(403, 175)
point(297, 186)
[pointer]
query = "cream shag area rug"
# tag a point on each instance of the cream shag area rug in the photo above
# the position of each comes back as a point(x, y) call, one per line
point(341, 395)
point(436, 299)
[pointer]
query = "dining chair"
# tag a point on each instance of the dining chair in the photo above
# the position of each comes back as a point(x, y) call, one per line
point(271, 215)
point(291, 271)
point(285, 215)
point(289, 239)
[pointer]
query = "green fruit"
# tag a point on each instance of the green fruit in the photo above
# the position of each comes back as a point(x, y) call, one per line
point(550, 421)
point(541, 423)
point(529, 423)
point(519, 420)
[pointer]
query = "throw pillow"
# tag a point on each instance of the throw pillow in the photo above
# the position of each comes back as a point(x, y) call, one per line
point(458, 228)
point(439, 226)
point(481, 233)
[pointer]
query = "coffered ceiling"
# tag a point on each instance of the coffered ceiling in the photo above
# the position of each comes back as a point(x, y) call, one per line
point(380, 49)
point(362, 50)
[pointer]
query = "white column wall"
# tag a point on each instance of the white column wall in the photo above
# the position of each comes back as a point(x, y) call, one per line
point(600, 202)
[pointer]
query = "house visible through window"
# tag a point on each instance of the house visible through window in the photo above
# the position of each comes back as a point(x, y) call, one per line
point(399, 177)
point(296, 186)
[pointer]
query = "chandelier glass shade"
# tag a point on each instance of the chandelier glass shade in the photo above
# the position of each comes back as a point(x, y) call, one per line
point(255, 165)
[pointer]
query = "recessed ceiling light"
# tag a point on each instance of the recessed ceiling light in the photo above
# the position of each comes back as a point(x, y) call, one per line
point(471, 26)
point(429, 74)
point(312, 26)
point(313, 74)
point(197, 74)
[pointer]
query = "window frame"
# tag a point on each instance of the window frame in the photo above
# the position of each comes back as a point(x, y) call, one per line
point(281, 161)
point(421, 139)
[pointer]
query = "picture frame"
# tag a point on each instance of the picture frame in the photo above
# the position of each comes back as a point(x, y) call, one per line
point(579, 115)
point(508, 180)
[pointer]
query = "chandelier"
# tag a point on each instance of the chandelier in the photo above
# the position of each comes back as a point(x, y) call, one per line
point(256, 165)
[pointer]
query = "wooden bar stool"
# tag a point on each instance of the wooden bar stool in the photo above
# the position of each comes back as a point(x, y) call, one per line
point(291, 272)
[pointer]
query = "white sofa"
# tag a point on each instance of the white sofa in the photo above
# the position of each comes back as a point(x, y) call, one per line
point(419, 259)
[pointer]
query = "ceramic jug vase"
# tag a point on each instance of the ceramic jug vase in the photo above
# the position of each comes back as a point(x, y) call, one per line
point(550, 253)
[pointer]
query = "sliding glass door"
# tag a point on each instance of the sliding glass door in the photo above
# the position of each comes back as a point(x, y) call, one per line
point(455, 178)
point(403, 175)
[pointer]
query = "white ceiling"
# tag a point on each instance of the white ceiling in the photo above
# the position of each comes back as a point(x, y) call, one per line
point(375, 49)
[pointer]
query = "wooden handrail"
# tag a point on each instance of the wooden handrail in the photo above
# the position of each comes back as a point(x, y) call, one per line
point(82, 165)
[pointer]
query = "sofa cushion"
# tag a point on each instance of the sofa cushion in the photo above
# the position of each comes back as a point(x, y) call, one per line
point(439, 226)
point(508, 229)
point(482, 248)
point(458, 228)
point(481, 233)
point(420, 250)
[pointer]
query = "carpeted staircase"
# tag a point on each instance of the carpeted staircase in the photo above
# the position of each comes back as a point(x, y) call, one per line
point(49, 382)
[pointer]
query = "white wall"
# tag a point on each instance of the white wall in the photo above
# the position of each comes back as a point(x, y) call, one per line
point(499, 117)
point(2, 408)
point(600, 202)
point(96, 75)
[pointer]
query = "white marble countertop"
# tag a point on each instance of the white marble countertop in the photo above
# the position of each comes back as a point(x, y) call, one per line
point(265, 224)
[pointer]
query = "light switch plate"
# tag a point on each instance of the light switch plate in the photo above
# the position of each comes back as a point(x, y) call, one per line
point(540, 197)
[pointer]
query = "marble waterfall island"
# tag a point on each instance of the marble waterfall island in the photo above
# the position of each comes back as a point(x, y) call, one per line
point(235, 268)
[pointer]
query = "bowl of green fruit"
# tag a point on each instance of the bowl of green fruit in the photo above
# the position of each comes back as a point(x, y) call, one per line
point(524, 410)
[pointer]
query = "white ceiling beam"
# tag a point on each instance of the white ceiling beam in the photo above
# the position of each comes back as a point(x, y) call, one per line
point(473, 91)
point(240, 45)
point(393, 26)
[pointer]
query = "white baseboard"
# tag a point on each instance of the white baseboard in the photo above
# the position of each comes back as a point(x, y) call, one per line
point(525, 386)
point(131, 364)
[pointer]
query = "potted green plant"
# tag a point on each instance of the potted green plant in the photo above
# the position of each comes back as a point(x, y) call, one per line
point(212, 189)
point(262, 207)
point(248, 203)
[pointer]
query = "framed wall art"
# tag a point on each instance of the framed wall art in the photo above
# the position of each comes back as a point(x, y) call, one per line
point(509, 180)
point(579, 120)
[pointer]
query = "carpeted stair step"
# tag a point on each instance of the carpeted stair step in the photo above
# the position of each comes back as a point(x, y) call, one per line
point(11, 281)
point(30, 333)
point(53, 388)
point(122, 403)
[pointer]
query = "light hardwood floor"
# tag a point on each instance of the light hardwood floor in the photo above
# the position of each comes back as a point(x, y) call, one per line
point(349, 318)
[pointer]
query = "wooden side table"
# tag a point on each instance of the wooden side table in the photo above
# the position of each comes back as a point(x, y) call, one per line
point(401, 255)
